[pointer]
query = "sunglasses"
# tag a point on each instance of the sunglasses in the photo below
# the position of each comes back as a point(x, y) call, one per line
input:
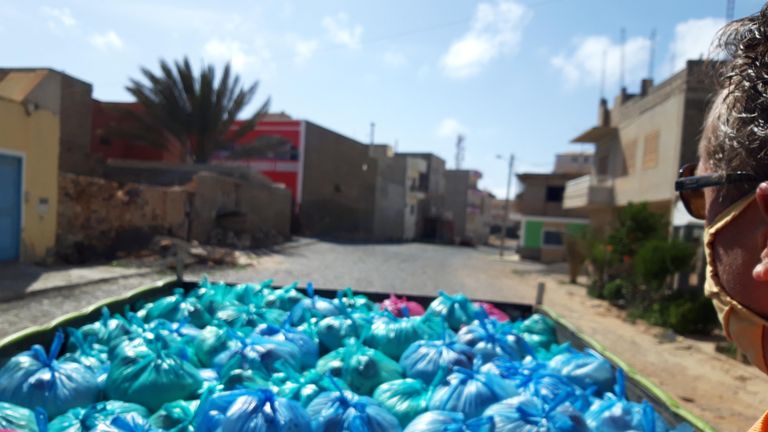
point(691, 187)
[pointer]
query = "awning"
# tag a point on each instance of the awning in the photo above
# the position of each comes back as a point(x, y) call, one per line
point(595, 134)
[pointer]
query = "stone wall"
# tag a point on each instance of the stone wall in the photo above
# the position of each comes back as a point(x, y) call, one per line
point(99, 218)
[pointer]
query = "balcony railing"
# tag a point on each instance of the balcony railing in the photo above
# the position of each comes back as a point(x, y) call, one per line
point(588, 192)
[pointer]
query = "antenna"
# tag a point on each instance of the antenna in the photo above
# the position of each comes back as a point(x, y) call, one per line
point(652, 54)
point(730, 8)
point(623, 39)
point(459, 151)
point(602, 75)
point(373, 131)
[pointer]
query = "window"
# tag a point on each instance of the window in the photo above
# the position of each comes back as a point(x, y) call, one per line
point(551, 238)
point(651, 150)
point(413, 209)
point(630, 156)
point(555, 193)
point(574, 159)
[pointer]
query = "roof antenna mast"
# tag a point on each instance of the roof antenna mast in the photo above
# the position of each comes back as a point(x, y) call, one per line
point(730, 8)
point(459, 151)
point(652, 55)
point(623, 41)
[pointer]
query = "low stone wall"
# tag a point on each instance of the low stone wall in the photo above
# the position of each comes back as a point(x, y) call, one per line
point(98, 218)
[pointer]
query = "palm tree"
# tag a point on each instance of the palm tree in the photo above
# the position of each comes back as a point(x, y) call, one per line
point(195, 112)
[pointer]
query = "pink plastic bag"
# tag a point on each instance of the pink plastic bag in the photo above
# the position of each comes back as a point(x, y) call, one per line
point(493, 311)
point(396, 304)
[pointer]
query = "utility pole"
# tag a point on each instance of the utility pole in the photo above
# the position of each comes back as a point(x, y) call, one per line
point(510, 170)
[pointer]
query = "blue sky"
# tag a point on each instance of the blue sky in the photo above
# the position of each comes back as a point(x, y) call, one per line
point(519, 76)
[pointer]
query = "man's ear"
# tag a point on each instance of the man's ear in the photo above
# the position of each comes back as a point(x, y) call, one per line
point(761, 196)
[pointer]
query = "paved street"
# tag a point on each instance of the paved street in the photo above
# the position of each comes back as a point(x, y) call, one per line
point(415, 268)
point(401, 268)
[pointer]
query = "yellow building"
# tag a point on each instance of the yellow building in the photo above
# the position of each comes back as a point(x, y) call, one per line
point(29, 167)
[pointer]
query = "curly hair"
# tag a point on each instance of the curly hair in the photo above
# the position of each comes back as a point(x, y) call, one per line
point(736, 131)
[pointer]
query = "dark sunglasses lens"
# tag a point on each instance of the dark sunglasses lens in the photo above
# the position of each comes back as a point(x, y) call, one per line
point(694, 203)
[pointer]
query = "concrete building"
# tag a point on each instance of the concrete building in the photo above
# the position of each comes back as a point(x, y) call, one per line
point(544, 222)
point(573, 163)
point(66, 97)
point(401, 187)
point(469, 206)
point(29, 165)
point(433, 220)
point(640, 143)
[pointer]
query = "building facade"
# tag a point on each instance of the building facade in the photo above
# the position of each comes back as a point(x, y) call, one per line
point(433, 220)
point(640, 143)
point(468, 206)
point(29, 146)
point(544, 223)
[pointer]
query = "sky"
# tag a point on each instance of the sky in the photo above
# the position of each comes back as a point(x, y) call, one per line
point(518, 77)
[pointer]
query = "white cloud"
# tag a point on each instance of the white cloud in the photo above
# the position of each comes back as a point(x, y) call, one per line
point(449, 127)
point(584, 65)
point(238, 55)
point(304, 50)
point(58, 17)
point(341, 31)
point(106, 41)
point(496, 29)
point(394, 59)
point(692, 40)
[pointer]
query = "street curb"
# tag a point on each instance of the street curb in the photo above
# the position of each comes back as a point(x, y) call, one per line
point(28, 294)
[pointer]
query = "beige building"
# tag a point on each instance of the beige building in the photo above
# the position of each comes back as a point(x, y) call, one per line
point(469, 206)
point(640, 143)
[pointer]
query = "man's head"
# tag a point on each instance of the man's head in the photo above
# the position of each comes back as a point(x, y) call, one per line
point(735, 139)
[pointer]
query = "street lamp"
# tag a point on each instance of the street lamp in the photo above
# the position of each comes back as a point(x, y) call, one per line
point(506, 202)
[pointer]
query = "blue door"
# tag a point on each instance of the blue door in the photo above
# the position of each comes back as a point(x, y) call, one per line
point(10, 207)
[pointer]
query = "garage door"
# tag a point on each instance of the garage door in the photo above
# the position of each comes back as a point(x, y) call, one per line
point(10, 207)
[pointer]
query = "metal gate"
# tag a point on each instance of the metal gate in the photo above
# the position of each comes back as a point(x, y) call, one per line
point(10, 206)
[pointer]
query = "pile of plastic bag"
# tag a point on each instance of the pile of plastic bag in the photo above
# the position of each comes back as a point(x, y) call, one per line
point(253, 357)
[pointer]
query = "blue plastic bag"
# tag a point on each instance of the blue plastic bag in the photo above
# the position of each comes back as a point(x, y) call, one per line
point(85, 419)
point(210, 342)
point(108, 329)
point(308, 346)
point(470, 392)
point(175, 416)
point(538, 331)
point(258, 354)
point(489, 340)
point(177, 307)
point(333, 331)
point(614, 413)
point(585, 369)
point(305, 387)
point(457, 310)
point(147, 373)
point(284, 298)
point(130, 422)
point(18, 418)
point(312, 308)
point(448, 421)
point(362, 368)
point(250, 410)
point(345, 411)
point(246, 317)
point(354, 302)
point(425, 360)
point(392, 335)
point(525, 413)
point(405, 399)
point(35, 379)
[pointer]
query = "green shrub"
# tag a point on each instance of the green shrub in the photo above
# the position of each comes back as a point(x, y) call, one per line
point(657, 260)
point(616, 291)
point(636, 225)
point(685, 313)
